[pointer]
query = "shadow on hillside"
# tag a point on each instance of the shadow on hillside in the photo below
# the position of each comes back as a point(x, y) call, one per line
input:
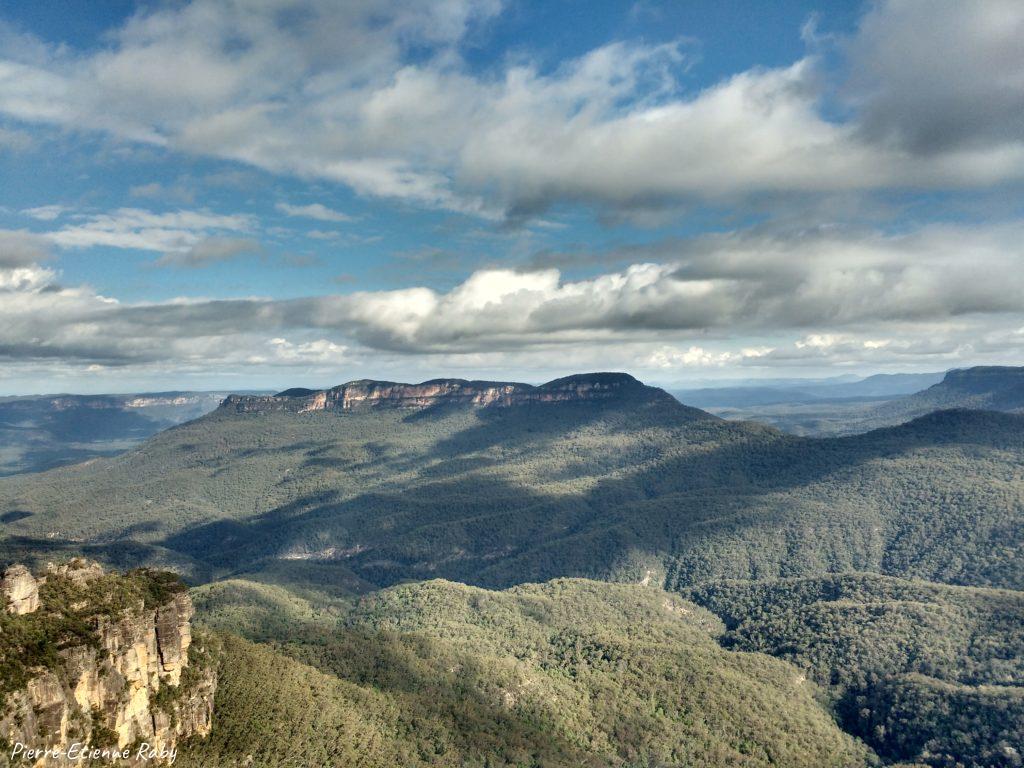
point(429, 681)
point(494, 532)
point(122, 554)
point(437, 529)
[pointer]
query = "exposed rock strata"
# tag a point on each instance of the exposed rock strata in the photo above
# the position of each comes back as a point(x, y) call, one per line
point(133, 684)
point(387, 394)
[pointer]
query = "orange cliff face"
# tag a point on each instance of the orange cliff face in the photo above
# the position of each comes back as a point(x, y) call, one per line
point(387, 394)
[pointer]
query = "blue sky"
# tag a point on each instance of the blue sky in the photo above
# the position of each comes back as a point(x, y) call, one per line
point(300, 192)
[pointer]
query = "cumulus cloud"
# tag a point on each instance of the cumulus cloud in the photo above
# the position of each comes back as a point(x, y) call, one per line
point(745, 298)
point(19, 248)
point(739, 283)
point(941, 76)
point(377, 96)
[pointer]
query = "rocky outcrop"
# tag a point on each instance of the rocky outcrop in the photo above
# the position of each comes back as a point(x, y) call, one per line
point(20, 589)
point(136, 678)
point(387, 394)
point(79, 571)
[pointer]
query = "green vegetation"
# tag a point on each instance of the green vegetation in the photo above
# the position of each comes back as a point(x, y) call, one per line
point(812, 551)
point(993, 388)
point(568, 673)
point(262, 612)
point(920, 671)
point(69, 615)
point(944, 724)
point(499, 496)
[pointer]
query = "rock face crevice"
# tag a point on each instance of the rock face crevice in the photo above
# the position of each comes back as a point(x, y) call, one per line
point(135, 678)
point(389, 394)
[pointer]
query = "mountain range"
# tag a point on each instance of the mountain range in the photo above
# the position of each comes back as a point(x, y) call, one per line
point(329, 527)
point(831, 408)
point(44, 431)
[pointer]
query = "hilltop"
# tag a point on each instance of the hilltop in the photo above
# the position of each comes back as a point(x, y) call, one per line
point(878, 401)
point(366, 393)
point(993, 388)
point(605, 487)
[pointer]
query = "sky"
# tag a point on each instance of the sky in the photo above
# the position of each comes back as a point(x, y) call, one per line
point(257, 194)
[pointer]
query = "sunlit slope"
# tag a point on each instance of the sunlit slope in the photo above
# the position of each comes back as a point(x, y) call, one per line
point(496, 496)
point(569, 673)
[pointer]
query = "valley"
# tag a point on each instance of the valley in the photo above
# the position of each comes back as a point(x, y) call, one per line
point(431, 565)
point(45, 431)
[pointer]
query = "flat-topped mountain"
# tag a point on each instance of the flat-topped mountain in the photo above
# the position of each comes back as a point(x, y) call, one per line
point(296, 510)
point(389, 394)
point(617, 485)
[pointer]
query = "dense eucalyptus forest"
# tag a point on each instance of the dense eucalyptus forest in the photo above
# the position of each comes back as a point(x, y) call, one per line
point(727, 583)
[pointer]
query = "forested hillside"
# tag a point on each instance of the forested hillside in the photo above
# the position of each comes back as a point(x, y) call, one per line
point(815, 413)
point(569, 673)
point(296, 519)
point(532, 492)
point(920, 671)
point(994, 388)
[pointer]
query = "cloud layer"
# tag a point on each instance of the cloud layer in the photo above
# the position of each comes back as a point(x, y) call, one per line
point(376, 95)
point(941, 294)
point(925, 96)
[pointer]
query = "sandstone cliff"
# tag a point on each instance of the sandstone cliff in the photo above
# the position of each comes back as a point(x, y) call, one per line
point(103, 660)
point(20, 589)
point(389, 394)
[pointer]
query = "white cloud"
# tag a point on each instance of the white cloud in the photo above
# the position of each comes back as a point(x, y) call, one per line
point(30, 279)
point(317, 211)
point(19, 248)
point(740, 299)
point(46, 212)
point(375, 95)
point(174, 232)
point(319, 351)
point(697, 357)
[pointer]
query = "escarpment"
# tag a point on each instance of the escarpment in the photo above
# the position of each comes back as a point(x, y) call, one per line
point(387, 394)
point(103, 660)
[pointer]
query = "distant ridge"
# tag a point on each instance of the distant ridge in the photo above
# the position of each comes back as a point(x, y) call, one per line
point(362, 393)
point(39, 432)
point(990, 388)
